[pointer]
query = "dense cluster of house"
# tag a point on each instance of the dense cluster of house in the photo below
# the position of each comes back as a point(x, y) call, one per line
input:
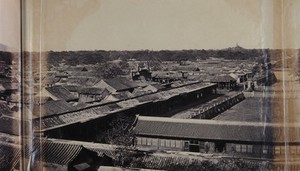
point(72, 88)
point(75, 103)
point(95, 116)
point(9, 99)
point(228, 74)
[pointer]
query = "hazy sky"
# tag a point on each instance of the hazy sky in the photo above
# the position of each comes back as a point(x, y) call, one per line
point(10, 23)
point(160, 24)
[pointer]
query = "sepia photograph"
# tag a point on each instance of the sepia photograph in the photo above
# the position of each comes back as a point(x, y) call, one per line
point(141, 85)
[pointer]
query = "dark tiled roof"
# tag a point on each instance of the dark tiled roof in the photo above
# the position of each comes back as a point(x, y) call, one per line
point(10, 156)
point(122, 95)
point(222, 78)
point(48, 122)
point(46, 151)
point(61, 93)
point(73, 88)
point(36, 99)
point(204, 129)
point(150, 97)
point(80, 105)
point(113, 106)
point(74, 117)
point(83, 80)
point(164, 95)
point(100, 149)
point(52, 107)
point(91, 90)
point(102, 110)
point(77, 81)
point(10, 86)
point(5, 80)
point(56, 153)
point(4, 109)
point(169, 74)
point(158, 86)
point(2, 88)
point(265, 76)
point(52, 80)
point(11, 126)
point(121, 83)
point(140, 92)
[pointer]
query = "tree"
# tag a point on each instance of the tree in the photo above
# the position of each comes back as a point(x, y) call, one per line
point(122, 134)
point(124, 65)
point(112, 71)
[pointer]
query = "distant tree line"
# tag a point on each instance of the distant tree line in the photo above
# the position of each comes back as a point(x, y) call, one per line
point(7, 57)
point(100, 56)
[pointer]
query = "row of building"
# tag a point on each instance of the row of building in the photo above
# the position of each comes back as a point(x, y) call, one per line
point(90, 117)
point(250, 139)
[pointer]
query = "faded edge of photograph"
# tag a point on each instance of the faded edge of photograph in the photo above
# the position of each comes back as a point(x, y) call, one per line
point(150, 85)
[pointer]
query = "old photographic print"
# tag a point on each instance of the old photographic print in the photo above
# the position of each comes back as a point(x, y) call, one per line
point(127, 85)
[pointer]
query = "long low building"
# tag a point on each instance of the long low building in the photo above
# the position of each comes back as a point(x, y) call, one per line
point(253, 139)
point(83, 121)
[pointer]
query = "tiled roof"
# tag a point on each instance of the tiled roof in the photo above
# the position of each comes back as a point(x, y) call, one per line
point(128, 103)
point(52, 107)
point(77, 81)
point(158, 86)
point(91, 90)
point(223, 78)
point(99, 148)
point(141, 91)
point(61, 93)
point(72, 88)
point(112, 168)
point(86, 80)
point(5, 80)
point(122, 95)
point(56, 153)
point(168, 74)
point(74, 117)
point(10, 155)
point(36, 99)
point(2, 88)
point(207, 129)
point(52, 80)
point(4, 109)
point(92, 112)
point(164, 95)
point(49, 151)
point(149, 97)
point(10, 86)
point(121, 83)
point(11, 126)
point(48, 122)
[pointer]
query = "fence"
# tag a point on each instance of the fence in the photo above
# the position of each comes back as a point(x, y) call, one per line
point(218, 107)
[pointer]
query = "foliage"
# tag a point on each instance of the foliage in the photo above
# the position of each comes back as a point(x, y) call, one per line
point(7, 57)
point(111, 71)
point(192, 164)
point(120, 132)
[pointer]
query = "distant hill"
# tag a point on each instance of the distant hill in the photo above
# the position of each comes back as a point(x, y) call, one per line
point(6, 48)
point(3, 47)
